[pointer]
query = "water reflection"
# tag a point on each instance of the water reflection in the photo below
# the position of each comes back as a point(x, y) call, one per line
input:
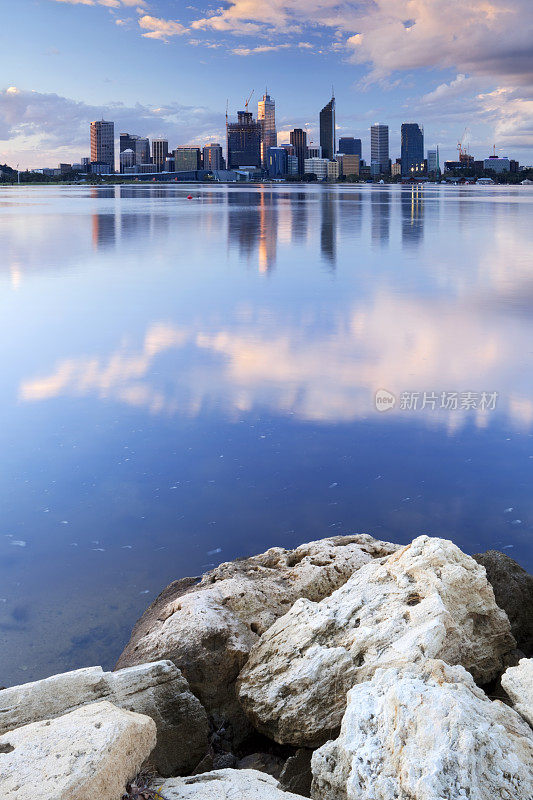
point(412, 204)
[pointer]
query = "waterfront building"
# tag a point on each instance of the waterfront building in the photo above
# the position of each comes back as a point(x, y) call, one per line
point(497, 164)
point(327, 129)
point(292, 164)
point(103, 143)
point(333, 170)
point(142, 150)
point(159, 153)
point(316, 166)
point(277, 162)
point(314, 151)
point(299, 143)
point(433, 161)
point(379, 149)
point(187, 158)
point(412, 149)
point(350, 164)
point(169, 165)
point(350, 146)
point(396, 168)
point(212, 156)
point(244, 141)
point(266, 115)
point(127, 159)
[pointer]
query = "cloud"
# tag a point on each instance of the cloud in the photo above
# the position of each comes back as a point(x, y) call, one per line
point(162, 29)
point(446, 91)
point(268, 48)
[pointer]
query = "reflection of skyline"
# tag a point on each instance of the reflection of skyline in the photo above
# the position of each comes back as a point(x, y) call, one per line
point(253, 226)
point(328, 227)
point(380, 207)
point(412, 204)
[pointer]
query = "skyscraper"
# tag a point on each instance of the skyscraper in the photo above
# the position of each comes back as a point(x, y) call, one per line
point(379, 148)
point(299, 143)
point(350, 146)
point(327, 129)
point(142, 150)
point(266, 115)
point(412, 149)
point(159, 153)
point(103, 143)
point(433, 161)
point(244, 141)
point(213, 158)
point(187, 158)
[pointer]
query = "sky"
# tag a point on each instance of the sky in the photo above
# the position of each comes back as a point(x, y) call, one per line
point(167, 68)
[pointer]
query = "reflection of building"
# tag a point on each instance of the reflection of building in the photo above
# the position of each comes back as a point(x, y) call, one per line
point(328, 227)
point(266, 115)
point(412, 150)
point(187, 158)
point(103, 230)
point(380, 204)
point(299, 216)
point(379, 149)
point(244, 141)
point(159, 153)
point(327, 129)
point(103, 143)
point(253, 226)
point(299, 143)
point(213, 158)
point(412, 202)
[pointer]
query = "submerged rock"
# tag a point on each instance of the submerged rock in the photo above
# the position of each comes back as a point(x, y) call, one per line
point(513, 589)
point(429, 600)
point(89, 753)
point(426, 732)
point(225, 784)
point(207, 628)
point(158, 690)
point(518, 683)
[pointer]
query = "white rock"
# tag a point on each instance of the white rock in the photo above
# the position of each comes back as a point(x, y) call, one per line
point(90, 753)
point(226, 784)
point(158, 690)
point(207, 628)
point(425, 732)
point(428, 600)
point(518, 683)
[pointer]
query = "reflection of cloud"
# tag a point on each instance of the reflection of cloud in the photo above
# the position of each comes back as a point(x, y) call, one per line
point(399, 343)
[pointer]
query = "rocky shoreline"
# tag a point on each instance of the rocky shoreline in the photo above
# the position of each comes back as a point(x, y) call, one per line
point(346, 669)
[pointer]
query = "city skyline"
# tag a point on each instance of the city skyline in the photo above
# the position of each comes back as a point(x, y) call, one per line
point(393, 64)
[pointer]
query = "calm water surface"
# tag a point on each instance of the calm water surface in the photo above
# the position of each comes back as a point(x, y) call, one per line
point(184, 382)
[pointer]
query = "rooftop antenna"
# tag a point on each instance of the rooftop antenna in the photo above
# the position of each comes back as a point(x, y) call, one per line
point(332, 91)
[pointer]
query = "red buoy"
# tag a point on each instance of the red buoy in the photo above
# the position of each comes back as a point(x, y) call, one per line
point(189, 197)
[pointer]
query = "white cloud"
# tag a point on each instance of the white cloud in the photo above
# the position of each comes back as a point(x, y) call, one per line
point(162, 29)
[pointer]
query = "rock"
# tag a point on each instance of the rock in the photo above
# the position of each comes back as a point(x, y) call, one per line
point(262, 762)
point(89, 753)
point(429, 600)
point(425, 732)
point(208, 627)
point(513, 589)
point(158, 690)
point(518, 683)
point(225, 784)
point(296, 775)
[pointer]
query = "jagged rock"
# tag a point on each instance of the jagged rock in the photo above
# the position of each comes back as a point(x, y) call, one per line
point(208, 627)
point(296, 775)
point(425, 732)
point(89, 753)
point(262, 762)
point(225, 784)
point(158, 690)
point(429, 600)
point(513, 589)
point(518, 683)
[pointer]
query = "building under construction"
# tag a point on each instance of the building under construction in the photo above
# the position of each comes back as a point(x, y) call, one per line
point(244, 141)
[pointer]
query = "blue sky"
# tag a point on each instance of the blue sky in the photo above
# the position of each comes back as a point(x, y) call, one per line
point(164, 67)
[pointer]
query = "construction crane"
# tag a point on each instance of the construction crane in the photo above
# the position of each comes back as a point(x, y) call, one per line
point(249, 98)
point(463, 151)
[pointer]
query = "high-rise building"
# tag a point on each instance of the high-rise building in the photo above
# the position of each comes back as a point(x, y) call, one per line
point(142, 150)
point(299, 143)
point(327, 130)
point(213, 158)
point(433, 161)
point(244, 141)
point(350, 146)
point(379, 149)
point(350, 164)
point(103, 143)
point(159, 153)
point(277, 162)
point(127, 159)
point(412, 149)
point(187, 158)
point(266, 115)
point(314, 151)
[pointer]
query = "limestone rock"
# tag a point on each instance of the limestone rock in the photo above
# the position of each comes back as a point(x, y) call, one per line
point(89, 753)
point(262, 762)
point(428, 600)
point(425, 732)
point(158, 690)
point(518, 683)
point(207, 627)
point(513, 589)
point(226, 784)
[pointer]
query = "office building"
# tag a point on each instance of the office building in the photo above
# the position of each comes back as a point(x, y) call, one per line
point(127, 159)
point(350, 146)
point(412, 150)
point(292, 164)
point(333, 170)
point(396, 168)
point(299, 142)
point(103, 143)
point(213, 158)
point(244, 141)
point(187, 158)
point(159, 153)
point(497, 164)
point(266, 115)
point(327, 130)
point(314, 151)
point(379, 149)
point(277, 162)
point(350, 164)
point(316, 166)
point(433, 162)
point(142, 150)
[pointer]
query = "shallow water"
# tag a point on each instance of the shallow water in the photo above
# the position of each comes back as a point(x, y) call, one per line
point(184, 382)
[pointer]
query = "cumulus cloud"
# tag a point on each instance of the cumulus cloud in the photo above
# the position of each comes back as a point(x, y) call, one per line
point(163, 29)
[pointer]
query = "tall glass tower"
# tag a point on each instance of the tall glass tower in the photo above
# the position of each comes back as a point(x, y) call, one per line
point(327, 130)
point(103, 142)
point(412, 150)
point(266, 115)
point(379, 148)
